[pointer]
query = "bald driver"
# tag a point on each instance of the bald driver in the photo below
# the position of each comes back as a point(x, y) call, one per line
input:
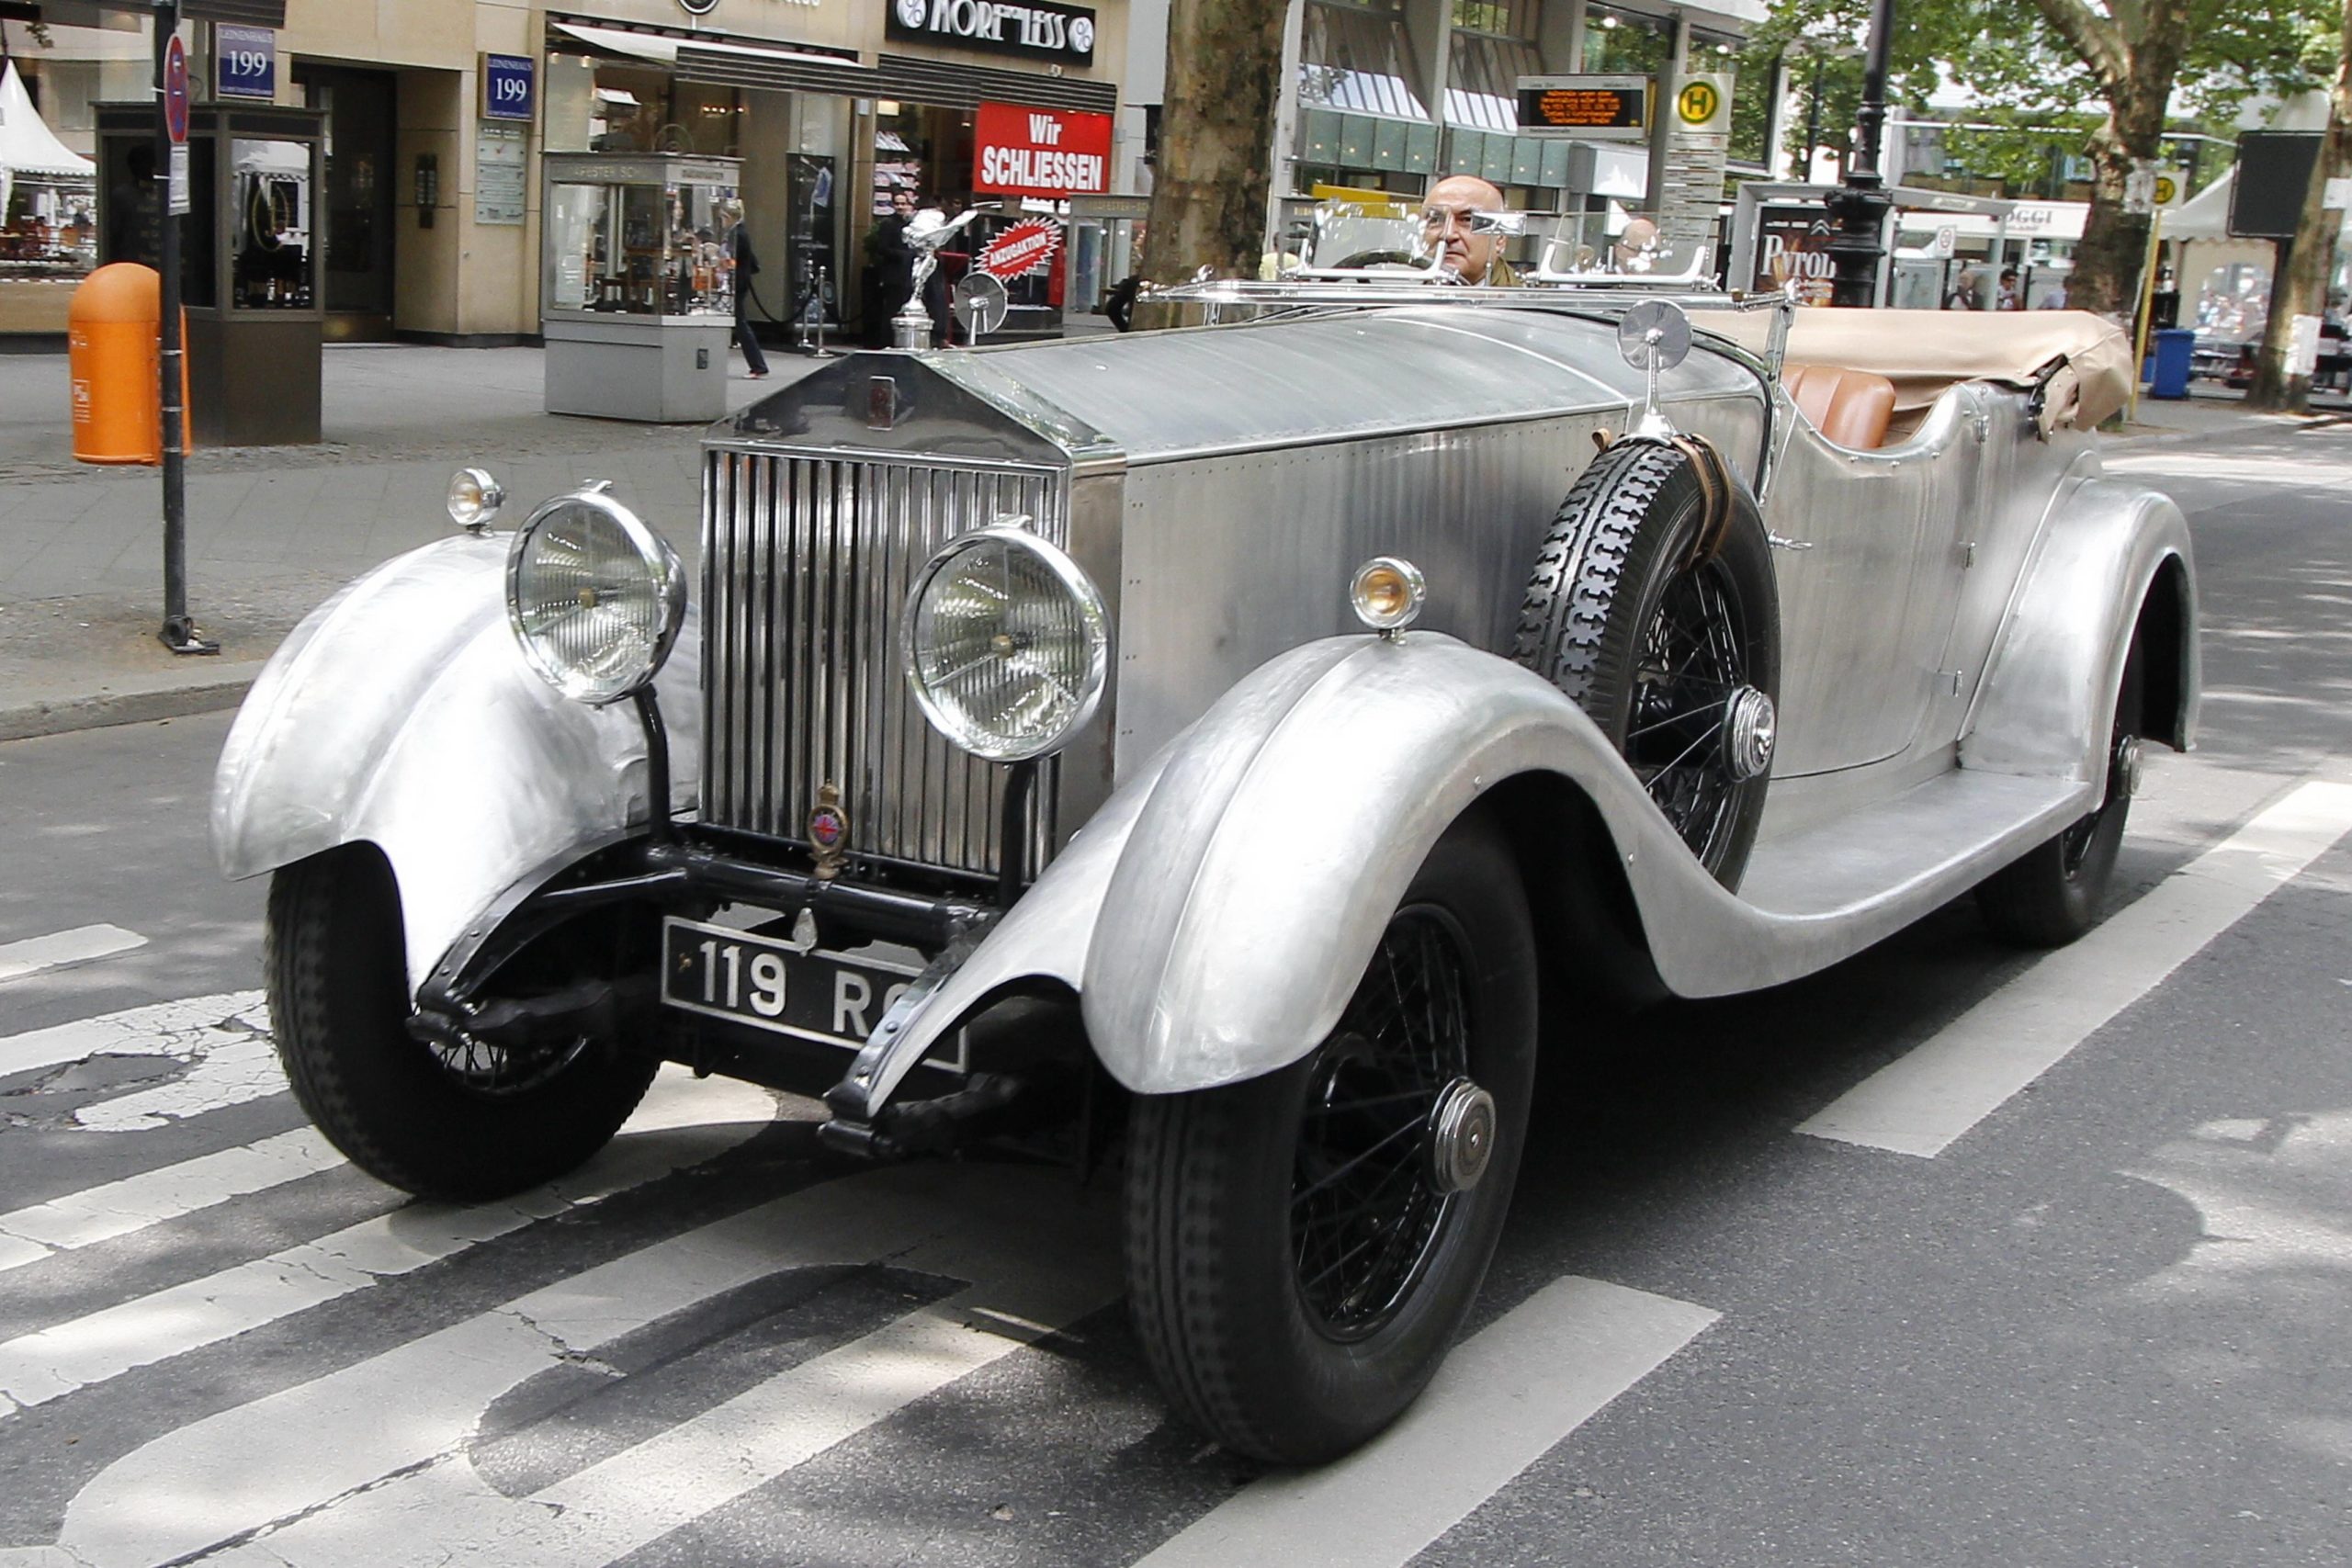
point(1445, 216)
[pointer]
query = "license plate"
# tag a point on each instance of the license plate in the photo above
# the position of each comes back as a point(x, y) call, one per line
point(761, 982)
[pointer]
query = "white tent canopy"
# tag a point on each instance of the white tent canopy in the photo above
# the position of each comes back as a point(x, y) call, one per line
point(2205, 214)
point(26, 144)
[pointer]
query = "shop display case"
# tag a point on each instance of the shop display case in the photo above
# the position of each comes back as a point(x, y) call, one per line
point(249, 259)
point(637, 292)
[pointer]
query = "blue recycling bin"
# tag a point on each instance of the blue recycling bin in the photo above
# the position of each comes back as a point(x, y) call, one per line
point(2174, 347)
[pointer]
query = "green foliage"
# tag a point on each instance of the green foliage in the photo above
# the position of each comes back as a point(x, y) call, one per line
point(2020, 67)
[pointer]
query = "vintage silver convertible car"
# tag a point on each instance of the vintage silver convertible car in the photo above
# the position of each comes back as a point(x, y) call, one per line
point(1282, 722)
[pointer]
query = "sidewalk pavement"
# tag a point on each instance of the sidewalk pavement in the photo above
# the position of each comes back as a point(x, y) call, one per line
point(272, 530)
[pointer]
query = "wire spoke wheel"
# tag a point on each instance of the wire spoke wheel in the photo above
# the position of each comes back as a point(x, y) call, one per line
point(492, 1067)
point(1693, 661)
point(2055, 891)
point(1303, 1245)
point(1666, 632)
point(461, 1118)
point(1366, 1209)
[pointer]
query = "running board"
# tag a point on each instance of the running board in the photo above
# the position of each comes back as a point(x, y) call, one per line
point(1827, 892)
point(1921, 848)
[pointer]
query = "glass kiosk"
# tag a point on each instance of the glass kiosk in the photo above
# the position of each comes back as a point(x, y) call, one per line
point(249, 259)
point(637, 292)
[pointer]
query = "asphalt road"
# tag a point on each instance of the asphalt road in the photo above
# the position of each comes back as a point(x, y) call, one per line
point(2105, 1321)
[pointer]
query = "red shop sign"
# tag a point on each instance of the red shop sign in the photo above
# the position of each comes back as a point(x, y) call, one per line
point(1051, 153)
point(1025, 249)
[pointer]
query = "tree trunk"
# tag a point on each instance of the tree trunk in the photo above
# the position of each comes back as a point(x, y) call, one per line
point(1208, 194)
point(2302, 291)
point(2134, 52)
point(2114, 245)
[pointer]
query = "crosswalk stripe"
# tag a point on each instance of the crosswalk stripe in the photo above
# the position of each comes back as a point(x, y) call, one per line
point(446, 1511)
point(1923, 1102)
point(169, 1192)
point(159, 1029)
point(53, 1362)
point(1035, 1252)
point(234, 1069)
point(1500, 1402)
point(58, 949)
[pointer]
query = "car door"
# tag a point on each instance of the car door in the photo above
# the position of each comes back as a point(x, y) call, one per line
point(1868, 570)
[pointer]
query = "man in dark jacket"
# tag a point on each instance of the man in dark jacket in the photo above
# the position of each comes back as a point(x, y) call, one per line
point(891, 262)
point(747, 267)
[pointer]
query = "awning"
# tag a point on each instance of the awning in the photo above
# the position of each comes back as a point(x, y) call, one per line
point(942, 83)
point(26, 144)
point(661, 49)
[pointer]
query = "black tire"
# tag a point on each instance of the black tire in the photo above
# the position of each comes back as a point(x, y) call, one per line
point(2057, 890)
point(1614, 602)
point(1234, 1193)
point(339, 1006)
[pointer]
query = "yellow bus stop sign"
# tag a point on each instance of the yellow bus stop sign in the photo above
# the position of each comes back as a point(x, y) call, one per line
point(1698, 103)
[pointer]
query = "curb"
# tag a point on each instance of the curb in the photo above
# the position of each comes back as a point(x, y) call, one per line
point(2245, 425)
point(133, 701)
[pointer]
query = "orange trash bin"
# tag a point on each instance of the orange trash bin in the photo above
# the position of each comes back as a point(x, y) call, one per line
point(113, 358)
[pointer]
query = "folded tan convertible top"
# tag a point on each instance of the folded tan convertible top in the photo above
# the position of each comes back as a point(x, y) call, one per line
point(1923, 351)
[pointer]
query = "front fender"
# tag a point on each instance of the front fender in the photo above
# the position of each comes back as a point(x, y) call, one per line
point(2111, 552)
point(1285, 829)
point(1215, 916)
point(401, 713)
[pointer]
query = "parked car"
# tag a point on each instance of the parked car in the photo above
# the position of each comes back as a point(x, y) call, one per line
point(1294, 703)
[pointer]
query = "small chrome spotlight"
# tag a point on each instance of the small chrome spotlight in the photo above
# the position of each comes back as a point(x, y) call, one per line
point(1386, 593)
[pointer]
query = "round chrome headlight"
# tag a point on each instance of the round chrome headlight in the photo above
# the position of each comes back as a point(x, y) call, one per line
point(474, 499)
point(1007, 643)
point(594, 596)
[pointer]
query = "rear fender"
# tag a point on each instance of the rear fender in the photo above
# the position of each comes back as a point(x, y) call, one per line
point(2115, 559)
point(401, 713)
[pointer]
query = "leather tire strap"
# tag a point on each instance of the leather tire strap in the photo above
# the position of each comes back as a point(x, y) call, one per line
point(1714, 494)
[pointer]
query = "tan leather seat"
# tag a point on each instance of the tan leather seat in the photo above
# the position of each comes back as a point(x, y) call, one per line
point(1851, 408)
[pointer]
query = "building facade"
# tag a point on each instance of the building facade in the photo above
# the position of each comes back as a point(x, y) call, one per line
point(428, 218)
point(1394, 94)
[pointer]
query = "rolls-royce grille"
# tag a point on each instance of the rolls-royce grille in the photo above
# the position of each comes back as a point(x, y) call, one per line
point(807, 565)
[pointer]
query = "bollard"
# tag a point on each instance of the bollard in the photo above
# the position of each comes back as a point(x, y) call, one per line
point(112, 354)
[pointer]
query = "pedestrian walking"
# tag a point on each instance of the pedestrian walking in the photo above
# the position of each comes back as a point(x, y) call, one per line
point(747, 267)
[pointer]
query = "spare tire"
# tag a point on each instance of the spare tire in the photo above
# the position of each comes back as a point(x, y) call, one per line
point(1653, 608)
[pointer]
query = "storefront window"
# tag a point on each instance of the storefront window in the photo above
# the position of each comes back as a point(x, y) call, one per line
point(1493, 47)
point(49, 187)
point(1358, 57)
point(632, 248)
point(272, 265)
point(641, 110)
point(1626, 42)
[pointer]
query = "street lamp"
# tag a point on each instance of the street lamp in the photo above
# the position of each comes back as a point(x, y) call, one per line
point(1859, 206)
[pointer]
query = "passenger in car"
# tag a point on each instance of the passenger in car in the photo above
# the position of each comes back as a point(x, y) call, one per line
point(1445, 215)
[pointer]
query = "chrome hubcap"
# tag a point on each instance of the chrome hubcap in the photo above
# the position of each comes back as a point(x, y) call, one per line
point(1751, 725)
point(2123, 770)
point(1462, 1136)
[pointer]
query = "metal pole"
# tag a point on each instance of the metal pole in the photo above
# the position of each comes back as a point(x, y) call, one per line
point(179, 633)
point(1859, 207)
point(1812, 121)
point(2147, 311)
